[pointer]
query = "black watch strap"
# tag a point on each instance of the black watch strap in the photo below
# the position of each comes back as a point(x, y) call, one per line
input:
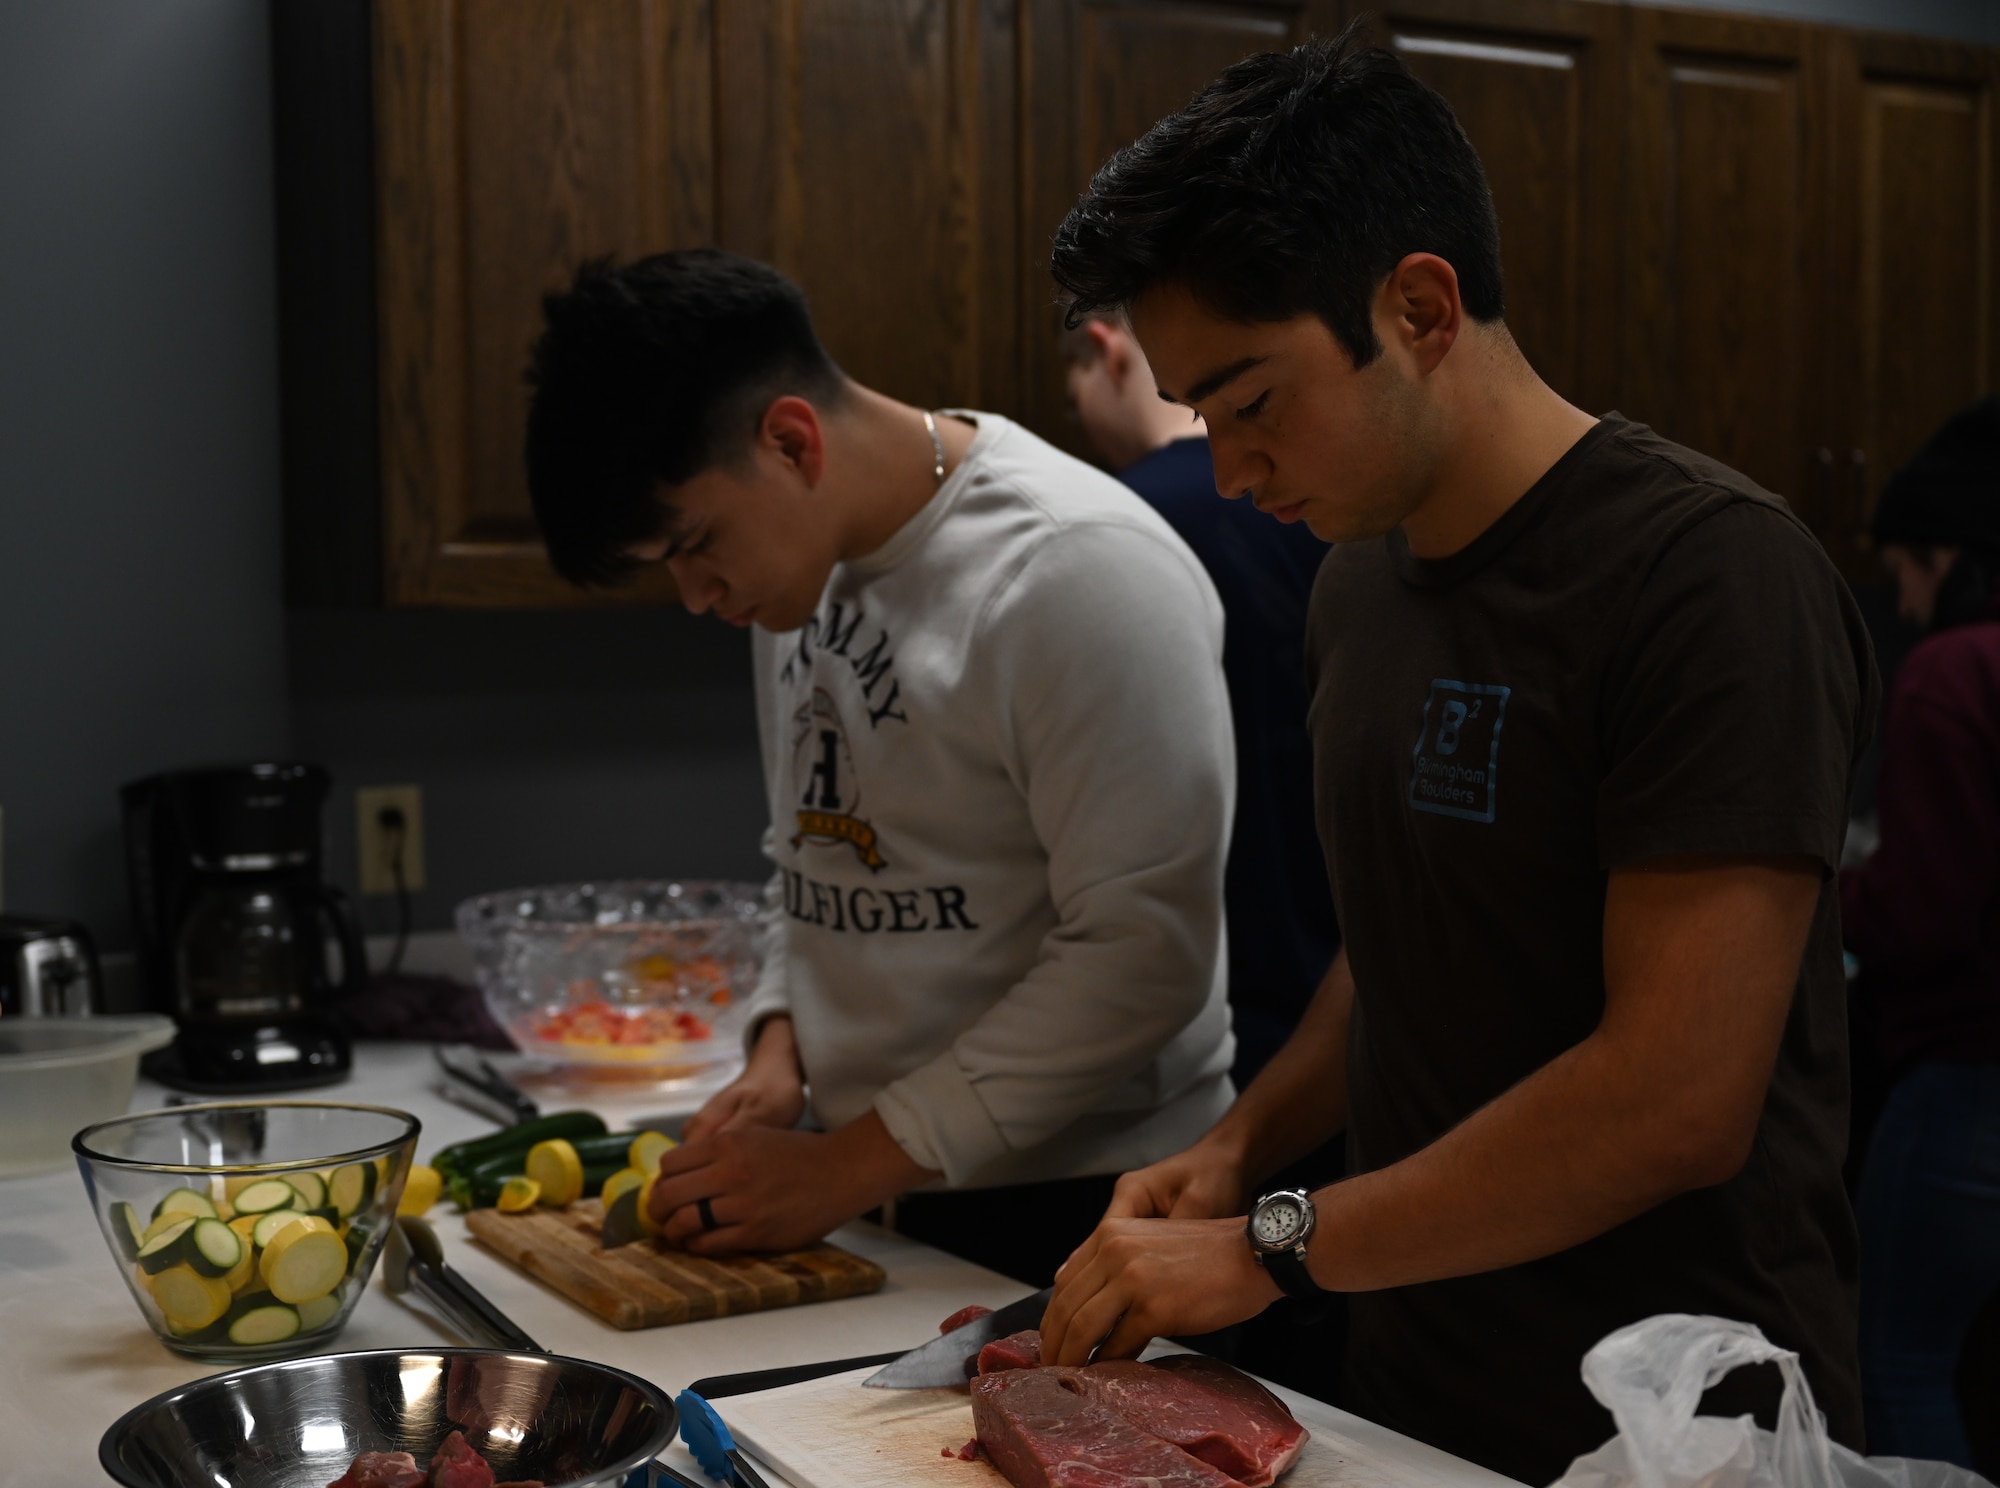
point(1291, 1275)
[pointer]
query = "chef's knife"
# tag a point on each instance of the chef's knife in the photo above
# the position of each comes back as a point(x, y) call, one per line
point(948, 1360)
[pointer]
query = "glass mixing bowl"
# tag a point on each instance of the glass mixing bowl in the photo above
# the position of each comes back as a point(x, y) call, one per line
point(646, 976)
point(246, 1230)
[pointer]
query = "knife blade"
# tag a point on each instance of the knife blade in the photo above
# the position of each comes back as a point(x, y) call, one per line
point(942, 1362)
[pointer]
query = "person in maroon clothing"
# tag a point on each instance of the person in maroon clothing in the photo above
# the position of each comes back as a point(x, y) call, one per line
point(1923, 918)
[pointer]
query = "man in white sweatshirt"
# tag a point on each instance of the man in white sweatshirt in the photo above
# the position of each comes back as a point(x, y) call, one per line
point(998, 758)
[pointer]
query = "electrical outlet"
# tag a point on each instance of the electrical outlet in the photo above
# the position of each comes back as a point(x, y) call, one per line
point(378, 840)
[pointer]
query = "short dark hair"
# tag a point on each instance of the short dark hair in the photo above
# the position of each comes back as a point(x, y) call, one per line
point(1292, 184)
point(646, 375)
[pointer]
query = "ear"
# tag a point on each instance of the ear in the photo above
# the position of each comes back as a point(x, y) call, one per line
point(1111, 349)
point(791, 430)
point(1419, 309)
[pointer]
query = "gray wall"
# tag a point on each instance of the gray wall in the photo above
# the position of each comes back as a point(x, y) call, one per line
point(550, 746)
point(141, 623)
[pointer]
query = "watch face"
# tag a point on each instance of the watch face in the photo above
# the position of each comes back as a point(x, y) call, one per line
point(1277, 1221)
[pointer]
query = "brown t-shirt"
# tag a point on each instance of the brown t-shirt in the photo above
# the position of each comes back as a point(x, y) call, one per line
point(1647, 654)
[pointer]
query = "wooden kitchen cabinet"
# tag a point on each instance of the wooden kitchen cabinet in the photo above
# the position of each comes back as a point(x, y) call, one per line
point(1725, 314)
point(1772, 241)
point(1911, 284)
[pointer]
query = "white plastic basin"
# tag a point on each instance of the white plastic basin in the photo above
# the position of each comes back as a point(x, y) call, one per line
point(58, 1075)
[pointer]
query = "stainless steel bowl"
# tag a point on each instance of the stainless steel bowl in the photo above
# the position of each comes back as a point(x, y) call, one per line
point(298, 1424)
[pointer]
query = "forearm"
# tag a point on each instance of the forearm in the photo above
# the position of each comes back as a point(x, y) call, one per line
point(1299, 1099)
point(1567, 1154)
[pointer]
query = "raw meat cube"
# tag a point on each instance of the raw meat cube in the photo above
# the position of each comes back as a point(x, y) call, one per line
point(1042, 1429)
point(1016, 1351)
point(381, 1470)
point(963, 1316)
point(458, 1466)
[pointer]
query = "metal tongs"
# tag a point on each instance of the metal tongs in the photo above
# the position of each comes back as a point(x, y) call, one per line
point(473, 1082)
point(413, 1261)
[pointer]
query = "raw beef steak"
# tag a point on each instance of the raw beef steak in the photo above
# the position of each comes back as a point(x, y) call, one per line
point(1043, 1429)
point(1015, 1351)
point(963, 1316)
point(1205, 1408)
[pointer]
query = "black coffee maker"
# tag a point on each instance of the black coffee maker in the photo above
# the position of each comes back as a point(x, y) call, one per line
point(233, 917)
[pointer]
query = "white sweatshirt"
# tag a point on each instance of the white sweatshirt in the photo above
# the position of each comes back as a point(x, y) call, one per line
point(1001, 776)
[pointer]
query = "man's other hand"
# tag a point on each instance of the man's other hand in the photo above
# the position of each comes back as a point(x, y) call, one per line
point(770, 1091)
point(776, 1190)
point(1204, 1182)
point(1135, 1280)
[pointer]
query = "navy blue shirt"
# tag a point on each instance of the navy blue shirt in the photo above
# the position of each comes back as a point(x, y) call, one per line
point(1279, 909)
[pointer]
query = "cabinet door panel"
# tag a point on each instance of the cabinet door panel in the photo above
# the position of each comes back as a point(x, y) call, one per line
point(1534, 87)
point(512, 142)
point(867, 149)
point(1726, 230)
point(1918, 288)
point(1097, 75)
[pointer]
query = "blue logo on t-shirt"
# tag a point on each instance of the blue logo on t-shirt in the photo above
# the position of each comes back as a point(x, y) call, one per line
point(1455, 766)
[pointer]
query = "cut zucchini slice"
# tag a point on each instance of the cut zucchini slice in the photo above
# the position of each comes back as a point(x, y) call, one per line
point(618, 1183)
point(212, 1248)
point(647, 1149)
point(556, 1167)
point(320, 1311)
point(350, 1188)
point(185, 1201)
point(420, 1190)
point(305, 1261)
point(126, 1230)
point(267, 1226)
point(264, 1196)
point(190, 1300)
point(164, 1248)
point(311, 1189)
point(518, 1194)
point(272, 1323)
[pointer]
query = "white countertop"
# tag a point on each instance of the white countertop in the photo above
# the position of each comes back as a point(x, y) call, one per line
point(75, 1354)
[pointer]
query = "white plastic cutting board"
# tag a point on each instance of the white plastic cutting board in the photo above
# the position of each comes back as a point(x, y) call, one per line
point(835, 1433)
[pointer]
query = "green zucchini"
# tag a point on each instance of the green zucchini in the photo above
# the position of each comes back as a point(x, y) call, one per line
point(350, 1188)
point(267, 1228)
point(164, 1249)
point(612, 1147)
point(516, 1140)
point(357, 1238)
point(212, 1248)
point(127, 1230)
point(311, 1190)
point(266, 1196)
point(273, 1322)
point(185, 1201)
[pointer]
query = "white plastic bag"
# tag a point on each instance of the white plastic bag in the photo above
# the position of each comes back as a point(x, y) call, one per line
point(1651, 1376)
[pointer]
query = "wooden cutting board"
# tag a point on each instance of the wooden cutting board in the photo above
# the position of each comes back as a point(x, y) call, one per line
point(646, 1285)
point(836, 1433)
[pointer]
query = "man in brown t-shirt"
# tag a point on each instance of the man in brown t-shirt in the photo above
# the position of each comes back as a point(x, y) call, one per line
point(1585, 706)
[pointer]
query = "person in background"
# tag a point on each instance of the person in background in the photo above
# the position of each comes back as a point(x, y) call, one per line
point(1922, 915)
point(1276, 902)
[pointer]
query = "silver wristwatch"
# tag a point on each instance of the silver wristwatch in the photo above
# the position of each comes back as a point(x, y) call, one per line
point(1279, 1226)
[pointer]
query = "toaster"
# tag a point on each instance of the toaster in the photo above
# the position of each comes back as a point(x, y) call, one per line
point(48, 969)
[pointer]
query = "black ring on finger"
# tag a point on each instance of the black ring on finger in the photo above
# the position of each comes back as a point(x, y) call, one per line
point(707, 1214)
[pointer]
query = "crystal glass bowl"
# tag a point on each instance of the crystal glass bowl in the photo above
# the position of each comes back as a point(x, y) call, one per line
point(246, 1230)
point(637, 975)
